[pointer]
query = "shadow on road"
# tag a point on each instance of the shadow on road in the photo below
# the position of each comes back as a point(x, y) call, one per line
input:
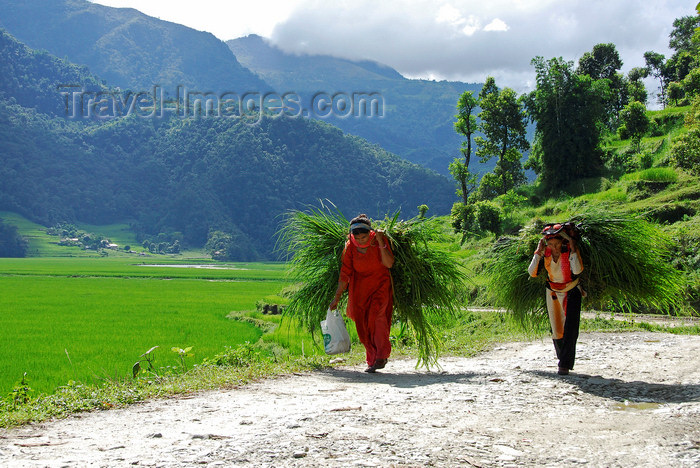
point(402, 379)
point(620, 390)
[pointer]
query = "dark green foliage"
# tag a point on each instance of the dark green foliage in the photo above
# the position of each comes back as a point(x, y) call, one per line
point(33, 77)
point(626, 262)
point(11, 243)
point(567, 109)
point(635, 121)
point(602, 62)
point(503, 125)
point(428, 283)
point(227, 246)
point(463, 217)
point(685, 152)
point(489, 216)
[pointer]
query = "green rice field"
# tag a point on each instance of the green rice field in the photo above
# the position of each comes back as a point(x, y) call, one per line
point(88, 319)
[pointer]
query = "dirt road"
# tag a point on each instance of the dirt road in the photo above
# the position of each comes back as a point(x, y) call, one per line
point(633, 400)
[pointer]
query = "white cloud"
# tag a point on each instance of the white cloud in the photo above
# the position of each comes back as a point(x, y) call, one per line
point(473, 24)
point(496, 25)
point(463, 40)
point(450, 15)
point(447, 39)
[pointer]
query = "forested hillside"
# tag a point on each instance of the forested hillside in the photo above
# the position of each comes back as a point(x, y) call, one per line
point(418, 120)
point(185, 177)
point(32, 78)
point(136, 52)
point(127, 48)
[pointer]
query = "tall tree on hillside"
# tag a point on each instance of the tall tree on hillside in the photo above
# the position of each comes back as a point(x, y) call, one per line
point(602, 64)
point(503, 123)
point(656, 64)
point(567, 110)
point(686, 56)
point(636, 122)
point(636, 89)
point(465, 125)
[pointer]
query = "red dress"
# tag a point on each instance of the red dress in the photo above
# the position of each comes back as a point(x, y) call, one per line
point(370, 298)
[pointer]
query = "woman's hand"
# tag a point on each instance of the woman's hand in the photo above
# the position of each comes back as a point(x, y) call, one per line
point(334, 304)
point(541, 246)
point(381, 238)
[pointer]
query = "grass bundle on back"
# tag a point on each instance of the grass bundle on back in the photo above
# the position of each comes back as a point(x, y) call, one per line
point(314, 240)
point(427, 282)
point(626, 264)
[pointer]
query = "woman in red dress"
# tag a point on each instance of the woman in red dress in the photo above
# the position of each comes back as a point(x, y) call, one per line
point(367, 258)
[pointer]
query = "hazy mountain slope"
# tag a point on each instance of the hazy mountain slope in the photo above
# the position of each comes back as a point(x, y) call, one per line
point(126, 47)
point(418, 114)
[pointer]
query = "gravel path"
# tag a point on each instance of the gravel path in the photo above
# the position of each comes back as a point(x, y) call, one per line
point(633, 400)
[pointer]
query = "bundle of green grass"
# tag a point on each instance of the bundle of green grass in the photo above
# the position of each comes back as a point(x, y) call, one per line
point(428, 283)
point(626, 266)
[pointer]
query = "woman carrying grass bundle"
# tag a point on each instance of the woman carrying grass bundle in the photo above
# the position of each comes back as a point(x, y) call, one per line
point(366, 261)
point(562, 260)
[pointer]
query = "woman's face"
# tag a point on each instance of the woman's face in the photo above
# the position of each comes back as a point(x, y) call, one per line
point(362, 238)
point(554, 243)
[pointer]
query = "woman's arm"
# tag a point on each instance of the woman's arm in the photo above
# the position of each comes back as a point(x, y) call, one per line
point(575, 258)
point(384, 249)
point(539, 253)
point(342, 285)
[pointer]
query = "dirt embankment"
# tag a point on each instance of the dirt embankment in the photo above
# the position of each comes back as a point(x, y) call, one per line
point(633, 400)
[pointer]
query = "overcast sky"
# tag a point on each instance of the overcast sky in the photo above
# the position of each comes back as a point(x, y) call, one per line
point(465, 40)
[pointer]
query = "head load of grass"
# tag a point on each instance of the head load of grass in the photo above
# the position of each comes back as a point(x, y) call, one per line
point(427, 282)
point(626, 265)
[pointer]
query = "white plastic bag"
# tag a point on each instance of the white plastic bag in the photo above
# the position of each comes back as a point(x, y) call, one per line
point(335, 336)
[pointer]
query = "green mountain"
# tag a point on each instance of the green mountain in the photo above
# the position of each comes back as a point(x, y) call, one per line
point(418, 115)
point(33, 78)
point(185, 177)
point(127, 48)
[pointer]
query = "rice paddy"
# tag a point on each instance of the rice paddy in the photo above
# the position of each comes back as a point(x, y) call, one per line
point(90, 319)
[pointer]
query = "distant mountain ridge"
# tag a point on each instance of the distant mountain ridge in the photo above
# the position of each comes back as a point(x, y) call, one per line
point(185, 177)
point(126, 47)
point(136, 52)
point(419, 114)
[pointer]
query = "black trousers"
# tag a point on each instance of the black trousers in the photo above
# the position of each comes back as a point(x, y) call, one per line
point(566, 346)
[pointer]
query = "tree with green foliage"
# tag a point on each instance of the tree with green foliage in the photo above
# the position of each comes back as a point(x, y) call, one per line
point(685, 57)
point(567, 111)
point(691, 83)
point(656, 65)
point(503, 123)
point(465, 125)
point(685, 152)
point(603, 62)
point(674, 92)
point(602, 65)
point(12, 244)
point(634, 118)
point(635, 86)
